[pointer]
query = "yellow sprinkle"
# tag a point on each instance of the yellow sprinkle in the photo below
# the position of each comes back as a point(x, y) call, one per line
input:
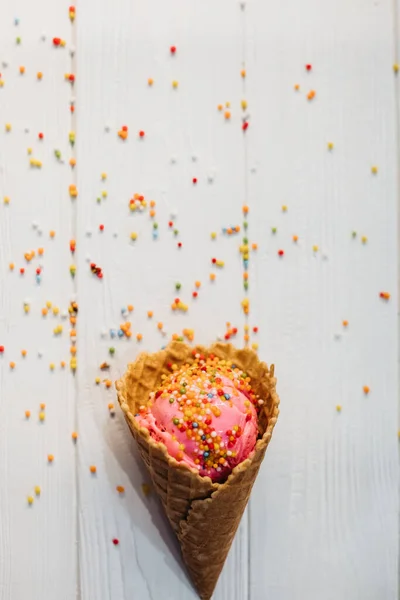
point(364, 239)
point(6, 200)
point(213, 235)
point(56, 310)
point(243, 104)
point(338, 407)
point(30, 500)
point(315, 248)
point(254, 346)
point(133, 236)
point(37, 490)
point(8, 126)
point(396, 67)
point(330, 146)
point(284, 208)
point(52, 366)
point(104, 176)
point(97, 380)
point(104, 194)
point(374, 170)
point(42, 416)
point(146, 489)
point(29, 151)
point(175, 84)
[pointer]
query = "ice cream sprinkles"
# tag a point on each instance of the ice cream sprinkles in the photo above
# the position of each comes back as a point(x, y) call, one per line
point(205, 414)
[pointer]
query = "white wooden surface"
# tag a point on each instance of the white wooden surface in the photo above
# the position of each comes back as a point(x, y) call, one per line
point(322, 522)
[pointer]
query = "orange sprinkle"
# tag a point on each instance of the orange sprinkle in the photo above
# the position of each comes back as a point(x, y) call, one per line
point(74, 435)
point(295, 238)
point(93, 469)
point(254, 246)
point(150, 314)
point(22, 70)
point(345, 323)
point(243, 73)
point(139, 337)
point(11, 266)
point(50, 458)
point(62, 364)
point(40, 251)
point(110, 406)
point(72, 162)
point(39, 75)
point(197, 284)
point(150, 81)
point(42, 406)
point(160, 325)
point(366, 389)
point(27, 414)
point(120, 489)
point(12, 365)
point(23, 352)
point(227, 114)
point(108, 383)
point(130, 307)
point(52, 233)
point(296, 87)
point(212, 276)
point(311, 95)
point(245, 209)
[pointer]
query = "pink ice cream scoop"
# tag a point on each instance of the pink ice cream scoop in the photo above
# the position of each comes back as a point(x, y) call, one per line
point(205, 416)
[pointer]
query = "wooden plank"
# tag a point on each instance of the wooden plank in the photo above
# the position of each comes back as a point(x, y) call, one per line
point(38, 542)
point(324, 513)
point(185, 137)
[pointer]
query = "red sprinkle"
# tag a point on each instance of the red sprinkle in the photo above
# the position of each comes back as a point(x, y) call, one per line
point(281, 252)
point(179, 244)
point(213, 260)
point(141, 133)
point(41, 136)
point(22, 270)
point(245, 126)
point(173, 49)
point(124, 128)
point(171, 224)
point(101, 227)
point(1, 349)
point(56, 41)
point(71, 78)
point(195, 294)
point(308, 67)
point(115, 542)
point(194, 179)
point(255, 329)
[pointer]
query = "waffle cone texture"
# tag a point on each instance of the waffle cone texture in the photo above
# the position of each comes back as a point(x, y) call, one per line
point(203, 514)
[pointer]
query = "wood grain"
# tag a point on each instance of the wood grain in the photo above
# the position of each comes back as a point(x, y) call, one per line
point(38, 542)
point(327, 496)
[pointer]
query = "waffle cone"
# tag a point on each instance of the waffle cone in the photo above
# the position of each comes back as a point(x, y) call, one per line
point(203, 514)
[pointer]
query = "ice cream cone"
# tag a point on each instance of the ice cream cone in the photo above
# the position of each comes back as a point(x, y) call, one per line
point(204, 514)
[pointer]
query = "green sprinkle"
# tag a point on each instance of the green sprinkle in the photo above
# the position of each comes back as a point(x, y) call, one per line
point(111, 350)
point(178, 286)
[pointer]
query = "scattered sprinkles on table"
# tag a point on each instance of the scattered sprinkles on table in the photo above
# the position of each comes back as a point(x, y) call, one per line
point(190, 392)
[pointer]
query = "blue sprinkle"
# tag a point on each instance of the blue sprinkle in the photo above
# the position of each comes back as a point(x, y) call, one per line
point(210, 395)
point(206, 454)
point(246, 264)
point(233, 366)
point(203, 437)
point(123, 311)
point(227, 396)
point(120, 333)
point(38, 279)
point(195, 425)
point(155, 234)
point(113, 333)
point(16, 21)
point(224, 230)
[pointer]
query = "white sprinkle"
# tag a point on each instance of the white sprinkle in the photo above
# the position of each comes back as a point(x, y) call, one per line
point(229, 453)
point(213, 434)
